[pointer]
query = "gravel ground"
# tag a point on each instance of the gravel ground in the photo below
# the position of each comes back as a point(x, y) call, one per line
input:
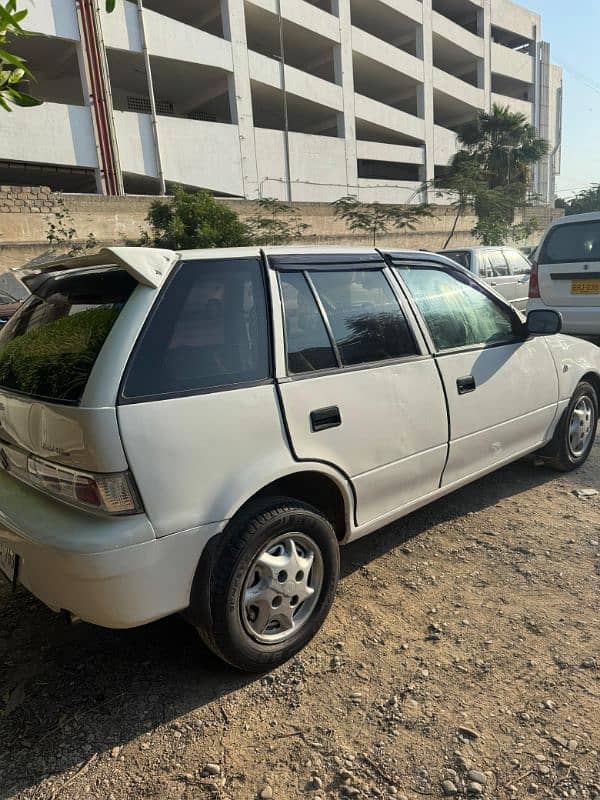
point(462, 657)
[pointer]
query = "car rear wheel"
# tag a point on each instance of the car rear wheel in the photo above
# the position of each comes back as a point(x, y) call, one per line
point(272, 581)
point(576, 433)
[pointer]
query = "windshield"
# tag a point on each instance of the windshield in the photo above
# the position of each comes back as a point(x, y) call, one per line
point(49, 347)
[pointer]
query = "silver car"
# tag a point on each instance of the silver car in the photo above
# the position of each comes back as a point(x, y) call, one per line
point(504, 268)
point(199, 432)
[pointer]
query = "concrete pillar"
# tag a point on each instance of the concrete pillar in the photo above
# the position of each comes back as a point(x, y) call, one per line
point(240, 95)
point(85, 85)
point(344, 76)
point(484, 72)
point(425, 92)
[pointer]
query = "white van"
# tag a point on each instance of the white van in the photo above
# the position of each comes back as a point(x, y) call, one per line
point(566, 273)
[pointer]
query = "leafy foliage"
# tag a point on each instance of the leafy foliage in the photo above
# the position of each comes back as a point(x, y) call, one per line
point(61, 233)
point(582, 203)
point(376, 219)
point(13, 69)
point(192, 220)
point(491, 173)
point(276, 223)
point(55, 360)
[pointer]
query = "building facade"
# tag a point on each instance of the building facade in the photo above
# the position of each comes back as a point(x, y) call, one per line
point(306, 100)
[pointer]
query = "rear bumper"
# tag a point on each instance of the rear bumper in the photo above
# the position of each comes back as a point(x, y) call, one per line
point(110, 572)
point(576, 319)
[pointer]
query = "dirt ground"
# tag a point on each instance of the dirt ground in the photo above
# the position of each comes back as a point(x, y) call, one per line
point(462, 657)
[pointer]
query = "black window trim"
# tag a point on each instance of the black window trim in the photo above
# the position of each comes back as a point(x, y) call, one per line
point(437, 352)
point(542, 259)
point(419, 355)
point(123, 400)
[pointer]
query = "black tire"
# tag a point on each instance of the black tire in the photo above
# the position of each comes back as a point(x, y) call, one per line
point(217, 608)
point(560, 452)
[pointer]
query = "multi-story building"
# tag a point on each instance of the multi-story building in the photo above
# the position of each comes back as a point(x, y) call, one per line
point(306, 100)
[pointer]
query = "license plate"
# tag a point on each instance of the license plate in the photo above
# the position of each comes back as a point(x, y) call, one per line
point(585, 287)
point(8, 562)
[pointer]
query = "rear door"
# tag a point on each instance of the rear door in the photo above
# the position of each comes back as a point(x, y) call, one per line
point(502, 388)
point(501, 278)
point(520, 268)
point(360, 392)
point(569, 265)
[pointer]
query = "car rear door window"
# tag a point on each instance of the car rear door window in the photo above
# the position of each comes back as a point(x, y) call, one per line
point(208, 331)
point(572, 241)
point(497, 262)
point(458, 311)
point(364, 315)
point(517, 262)
point(308, 345)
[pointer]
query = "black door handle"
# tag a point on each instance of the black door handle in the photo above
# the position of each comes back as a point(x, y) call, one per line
point(466, 384)
point(324, 418)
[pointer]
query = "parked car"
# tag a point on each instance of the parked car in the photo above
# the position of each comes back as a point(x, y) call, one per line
point(198, 432)
point(566, 273)
point(8, 306)
point(504, 268)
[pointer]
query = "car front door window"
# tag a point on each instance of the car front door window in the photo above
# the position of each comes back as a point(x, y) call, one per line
point(458, 311)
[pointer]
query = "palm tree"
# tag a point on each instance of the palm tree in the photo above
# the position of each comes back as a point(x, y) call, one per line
point(503, 145)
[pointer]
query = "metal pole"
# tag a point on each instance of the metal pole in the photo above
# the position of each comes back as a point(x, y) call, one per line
point(150, 84)
point(285, 104)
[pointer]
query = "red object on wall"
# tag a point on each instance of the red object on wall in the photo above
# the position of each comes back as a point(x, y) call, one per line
point(98, 96)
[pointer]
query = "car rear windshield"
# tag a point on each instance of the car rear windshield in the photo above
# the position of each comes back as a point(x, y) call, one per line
point(49, 347)
point(572, 241)
point(462, 257)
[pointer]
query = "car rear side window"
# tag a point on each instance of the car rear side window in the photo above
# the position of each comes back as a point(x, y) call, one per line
point(572, 241)
point(364, 315)
point(208, 331)
point(458, 312)
point(49, 347)
point(308, 345)
point(462, 257)
point(497, 262)
point(517, 262)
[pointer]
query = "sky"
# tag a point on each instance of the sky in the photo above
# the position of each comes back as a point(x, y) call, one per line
point(573, 29)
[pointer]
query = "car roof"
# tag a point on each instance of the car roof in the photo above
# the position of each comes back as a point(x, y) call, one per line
point(150, 266)
point(591, 216)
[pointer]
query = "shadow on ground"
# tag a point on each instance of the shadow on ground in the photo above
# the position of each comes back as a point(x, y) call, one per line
point(71, 691)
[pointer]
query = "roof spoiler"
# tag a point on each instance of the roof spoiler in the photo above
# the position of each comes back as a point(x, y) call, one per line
point(147, 265)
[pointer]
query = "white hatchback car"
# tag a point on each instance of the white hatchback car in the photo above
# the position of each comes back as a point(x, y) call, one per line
point(200, 431)
point(566, 273)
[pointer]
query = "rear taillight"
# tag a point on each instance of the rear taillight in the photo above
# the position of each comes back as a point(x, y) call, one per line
point(113, 493)
point(534, 282)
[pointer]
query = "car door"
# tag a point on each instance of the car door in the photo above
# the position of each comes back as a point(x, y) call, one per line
point(520, 269)
point(501, 279)
point(502, 387)
point(359, 389)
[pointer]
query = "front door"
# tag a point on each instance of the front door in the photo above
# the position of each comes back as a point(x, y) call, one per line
point(360, 393)
point(502, 388)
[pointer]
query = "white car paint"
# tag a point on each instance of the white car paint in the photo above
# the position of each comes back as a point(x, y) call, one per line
point(197, 459)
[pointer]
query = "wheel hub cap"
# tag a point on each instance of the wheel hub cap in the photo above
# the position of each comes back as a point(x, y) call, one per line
point(282, 588)
point(581, 426)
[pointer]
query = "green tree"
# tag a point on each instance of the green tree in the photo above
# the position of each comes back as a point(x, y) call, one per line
point(13, 69)
point(491, 173)
point(276, 223)
point(376, 219)
point(194, 220)
point(61, 233)
point(584, 202)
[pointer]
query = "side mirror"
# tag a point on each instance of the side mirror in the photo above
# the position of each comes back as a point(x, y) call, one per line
point(542, 322)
